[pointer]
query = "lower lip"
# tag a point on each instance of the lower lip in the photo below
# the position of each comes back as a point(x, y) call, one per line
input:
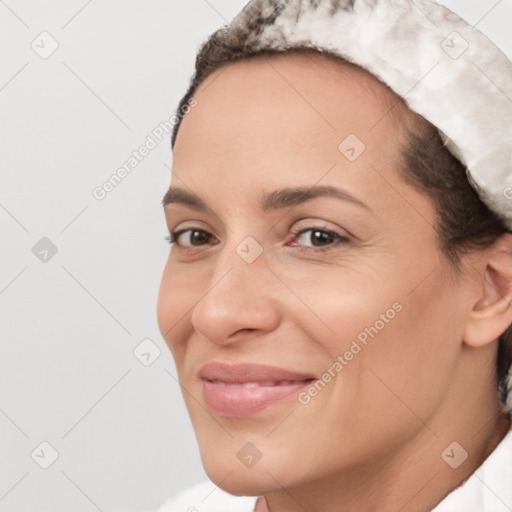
point(241, 402)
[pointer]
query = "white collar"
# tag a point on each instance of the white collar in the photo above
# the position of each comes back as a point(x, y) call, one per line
point(489, 488)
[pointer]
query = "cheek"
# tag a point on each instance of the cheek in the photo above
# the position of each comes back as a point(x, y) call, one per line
point(397, 343)
point(345, 304)
point(409, 345)
point(175, 298)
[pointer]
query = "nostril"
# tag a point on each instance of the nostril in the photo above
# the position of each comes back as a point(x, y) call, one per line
point(241, 331)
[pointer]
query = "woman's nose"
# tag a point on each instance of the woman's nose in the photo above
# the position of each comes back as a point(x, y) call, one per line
point(240, 300)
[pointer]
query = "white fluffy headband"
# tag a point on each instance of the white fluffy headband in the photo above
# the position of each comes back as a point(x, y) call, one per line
point(446, 71)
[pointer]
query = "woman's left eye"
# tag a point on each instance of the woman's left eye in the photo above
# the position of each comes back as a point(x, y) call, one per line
point(327, 238)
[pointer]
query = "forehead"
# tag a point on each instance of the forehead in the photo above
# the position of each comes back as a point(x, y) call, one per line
point(293, 118)
point(321, 95)
point(286, 121)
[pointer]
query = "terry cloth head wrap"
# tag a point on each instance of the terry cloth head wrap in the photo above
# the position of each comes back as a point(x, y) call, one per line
point(444, 69)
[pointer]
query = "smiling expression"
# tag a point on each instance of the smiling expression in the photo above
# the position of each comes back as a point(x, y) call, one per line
point(294, 235)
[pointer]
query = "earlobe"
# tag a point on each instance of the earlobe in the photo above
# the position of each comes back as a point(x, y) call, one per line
point(491, 314)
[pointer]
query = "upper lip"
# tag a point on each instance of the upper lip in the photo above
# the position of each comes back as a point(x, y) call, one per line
point(247, 372)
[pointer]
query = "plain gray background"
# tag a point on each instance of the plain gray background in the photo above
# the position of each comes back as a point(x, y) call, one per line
point(72, 320)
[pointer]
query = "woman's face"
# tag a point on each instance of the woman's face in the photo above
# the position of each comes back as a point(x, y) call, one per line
point(345, 301)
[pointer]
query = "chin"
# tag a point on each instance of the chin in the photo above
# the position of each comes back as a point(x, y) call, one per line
point(242, 480)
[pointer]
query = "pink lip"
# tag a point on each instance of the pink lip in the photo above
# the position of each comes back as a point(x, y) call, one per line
point(225, 394)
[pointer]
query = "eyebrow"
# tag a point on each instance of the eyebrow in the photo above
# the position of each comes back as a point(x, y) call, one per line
point(282, 198)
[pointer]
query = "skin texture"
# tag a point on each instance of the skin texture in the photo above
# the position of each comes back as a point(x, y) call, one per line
point(372, 438)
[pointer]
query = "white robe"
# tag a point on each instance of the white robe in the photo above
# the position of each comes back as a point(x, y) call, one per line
point(488, 489)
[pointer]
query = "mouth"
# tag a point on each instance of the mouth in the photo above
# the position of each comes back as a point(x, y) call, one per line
point(241, 390)
point(255, 384)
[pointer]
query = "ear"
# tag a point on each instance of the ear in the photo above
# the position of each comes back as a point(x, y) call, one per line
point(492, 311)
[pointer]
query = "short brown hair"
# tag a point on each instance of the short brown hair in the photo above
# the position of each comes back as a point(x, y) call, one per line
point(464, 222)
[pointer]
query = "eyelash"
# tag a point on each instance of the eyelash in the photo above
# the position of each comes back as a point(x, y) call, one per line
point(341, 240)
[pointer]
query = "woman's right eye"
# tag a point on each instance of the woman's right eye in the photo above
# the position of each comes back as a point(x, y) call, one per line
point(193, 235)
